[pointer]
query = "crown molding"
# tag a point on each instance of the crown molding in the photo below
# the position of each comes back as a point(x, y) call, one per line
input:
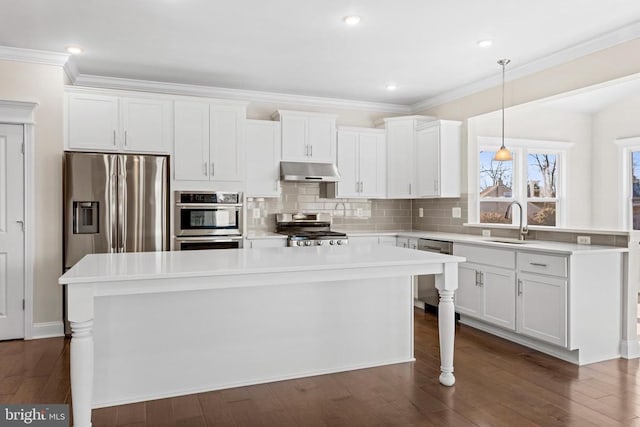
point(17, 111)
point(34, 56)
point(234, 94)
point(603, 41)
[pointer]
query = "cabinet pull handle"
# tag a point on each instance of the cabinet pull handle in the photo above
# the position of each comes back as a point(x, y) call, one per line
point(481, 278)
point(538, 264)
point(519, 286)
point(114, 137)
point(212, 169)
point(477, 277)
point(125, 138)
point(204, 168)
point(409, 188)
point(311, 150)
point(362, 186)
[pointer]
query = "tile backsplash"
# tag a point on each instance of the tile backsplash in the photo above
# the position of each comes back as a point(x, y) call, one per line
point(346, 214)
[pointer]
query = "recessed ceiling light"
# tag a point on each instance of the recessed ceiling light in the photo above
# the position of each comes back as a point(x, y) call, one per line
point(391, 86)
point(485, 43)
point(352, 20)
point(74, 50)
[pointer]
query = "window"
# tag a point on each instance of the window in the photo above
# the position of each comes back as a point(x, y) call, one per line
point(635, 189)
point(532, 178)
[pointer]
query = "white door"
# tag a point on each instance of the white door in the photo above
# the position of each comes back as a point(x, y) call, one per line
point(542, 308)
point(145, 125)
point(11, 232)
point(191, 151)
point(468, 296)
point(322, 139)
point(295, 145)
point(92, 122)
point(371, 164)
point(428, 161)
point(227, 155)
point(263, 159)
point(499, 286)
point(349, 185)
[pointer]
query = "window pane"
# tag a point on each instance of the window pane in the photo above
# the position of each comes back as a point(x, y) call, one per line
point(493, 212)
point(542, 175)
point(541, 213)
point(495, 177)
point(635, 185)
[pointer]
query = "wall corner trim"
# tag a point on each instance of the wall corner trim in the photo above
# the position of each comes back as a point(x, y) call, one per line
point(44, 57)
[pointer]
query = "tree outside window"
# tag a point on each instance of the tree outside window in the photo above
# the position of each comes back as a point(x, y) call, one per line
point(635, 189)
point(496, 188)
point(542, 178)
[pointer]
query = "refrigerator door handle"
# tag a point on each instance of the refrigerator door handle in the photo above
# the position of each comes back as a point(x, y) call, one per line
point(122, 204)
point(113, 208)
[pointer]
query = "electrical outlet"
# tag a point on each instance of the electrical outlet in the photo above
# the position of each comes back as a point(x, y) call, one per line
point(456, 212)
point(256, 213)
point(486, 233)
point(584, 240)
point(359, 212)
point(420, 212)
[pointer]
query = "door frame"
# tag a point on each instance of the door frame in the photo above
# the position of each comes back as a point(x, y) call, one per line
point(22, 113)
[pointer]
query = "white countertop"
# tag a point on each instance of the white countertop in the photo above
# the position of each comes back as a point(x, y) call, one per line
point(150, 265)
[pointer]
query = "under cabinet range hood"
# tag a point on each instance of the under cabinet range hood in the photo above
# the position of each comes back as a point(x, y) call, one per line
point(309, 172)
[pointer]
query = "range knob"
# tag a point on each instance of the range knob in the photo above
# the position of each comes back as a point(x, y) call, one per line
point(332, 242)
point(299, 243)
point(340, 242)
point(307, 243)
point(319, 242)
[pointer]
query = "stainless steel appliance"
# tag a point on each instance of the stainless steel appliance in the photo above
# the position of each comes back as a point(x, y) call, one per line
point(308, 230)
point(309, 172)
point(208, 220)
point(427, 291)
point(114, 203)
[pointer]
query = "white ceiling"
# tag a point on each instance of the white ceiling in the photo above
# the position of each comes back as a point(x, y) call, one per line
point(303, 47)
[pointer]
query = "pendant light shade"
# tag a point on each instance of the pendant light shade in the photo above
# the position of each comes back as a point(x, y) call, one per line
point(503, 153)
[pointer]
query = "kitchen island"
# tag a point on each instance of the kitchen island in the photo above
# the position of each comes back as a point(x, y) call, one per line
point(154, 325)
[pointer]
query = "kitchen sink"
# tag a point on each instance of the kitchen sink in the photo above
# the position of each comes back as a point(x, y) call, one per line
point(511, 241)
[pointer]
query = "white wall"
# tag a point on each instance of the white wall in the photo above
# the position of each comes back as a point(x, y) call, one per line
point(620, 120)
point(538, 123)
point(44, 85)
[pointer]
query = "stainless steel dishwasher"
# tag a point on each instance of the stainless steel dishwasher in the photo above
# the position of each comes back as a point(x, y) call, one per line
point(427, 291)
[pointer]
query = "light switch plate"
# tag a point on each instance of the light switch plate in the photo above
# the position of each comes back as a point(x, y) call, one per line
point(256, 213)
point(359, 212)
point(584, 240)
point(486, 233)
point(420, 212)
point(456, 212)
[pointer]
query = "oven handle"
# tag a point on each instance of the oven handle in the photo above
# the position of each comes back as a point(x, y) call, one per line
point(209, 239)
point(209, 205)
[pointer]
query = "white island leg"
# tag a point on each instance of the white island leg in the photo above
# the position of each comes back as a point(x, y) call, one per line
point(447, 283)
point(81, 372)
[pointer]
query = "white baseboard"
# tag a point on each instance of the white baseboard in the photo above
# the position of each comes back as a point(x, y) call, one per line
point(47, 330)
point(630, 349)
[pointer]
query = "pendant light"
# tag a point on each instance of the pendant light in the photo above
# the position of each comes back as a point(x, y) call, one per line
point(503, 153)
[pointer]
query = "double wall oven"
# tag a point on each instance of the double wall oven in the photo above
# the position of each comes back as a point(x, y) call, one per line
point(207, 220)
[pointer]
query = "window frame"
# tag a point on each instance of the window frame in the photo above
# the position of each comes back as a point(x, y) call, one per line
point(626, 146)
point(520, 149)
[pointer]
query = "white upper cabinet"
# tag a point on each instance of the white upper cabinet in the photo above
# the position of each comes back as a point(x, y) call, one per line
point(263, 158)
point(307, 137)
point(191, 148)
point(401, 156)
point(361, 163)
point(92, 122)
point(146, 124)
point(209, 142)
point(438, 159)
point(227, 142)
point(96, 121)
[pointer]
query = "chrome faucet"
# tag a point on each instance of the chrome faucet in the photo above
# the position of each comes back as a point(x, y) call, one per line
point(523, 228)
point(344, 209)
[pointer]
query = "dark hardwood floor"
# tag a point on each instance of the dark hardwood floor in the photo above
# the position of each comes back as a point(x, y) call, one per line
point(498, 384)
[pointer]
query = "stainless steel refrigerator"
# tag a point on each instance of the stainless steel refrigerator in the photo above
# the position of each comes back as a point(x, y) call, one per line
point(114, 203)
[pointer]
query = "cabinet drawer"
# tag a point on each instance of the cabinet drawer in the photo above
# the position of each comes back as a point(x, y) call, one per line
point(488, 256)
point(545, 264)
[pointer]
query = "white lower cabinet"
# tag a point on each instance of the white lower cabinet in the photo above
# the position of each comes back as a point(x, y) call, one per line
point(407, 242)
point(542, 308)
point(487, 293)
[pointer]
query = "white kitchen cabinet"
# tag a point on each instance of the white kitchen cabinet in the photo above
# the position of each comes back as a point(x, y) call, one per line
point(307, 137)
point(97, 121)
point(438, 159)
point(209, 141)
point(487, 285)
point(542, 307)
point(407, 242)
point(146, 125)
point(262, 143)
point(361, 163)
